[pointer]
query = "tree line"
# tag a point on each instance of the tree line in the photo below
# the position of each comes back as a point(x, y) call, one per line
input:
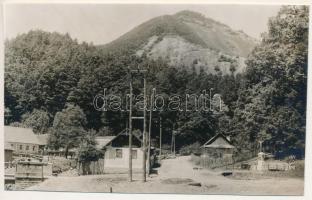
point(51, 80)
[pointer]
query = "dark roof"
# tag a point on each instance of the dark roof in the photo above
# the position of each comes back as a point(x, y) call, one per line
point(213, 144)
point(105, 140)
point(102, 141)
point(136, 134)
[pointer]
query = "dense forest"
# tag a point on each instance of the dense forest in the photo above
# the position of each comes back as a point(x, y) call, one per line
point(51, 80)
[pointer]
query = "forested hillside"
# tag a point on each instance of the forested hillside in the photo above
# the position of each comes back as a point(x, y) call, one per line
point(187, 39)
point(50, 78)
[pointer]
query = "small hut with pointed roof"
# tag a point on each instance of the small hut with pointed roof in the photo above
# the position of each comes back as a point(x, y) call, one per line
point(218, 147)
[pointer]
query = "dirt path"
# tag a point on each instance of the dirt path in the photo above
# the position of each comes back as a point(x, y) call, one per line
point(217, 184)
point(181, 167)
point(174, 176)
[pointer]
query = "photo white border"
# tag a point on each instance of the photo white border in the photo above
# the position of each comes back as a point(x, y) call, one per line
point(92, 196)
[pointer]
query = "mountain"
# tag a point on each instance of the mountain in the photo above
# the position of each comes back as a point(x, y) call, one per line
point(187, 39)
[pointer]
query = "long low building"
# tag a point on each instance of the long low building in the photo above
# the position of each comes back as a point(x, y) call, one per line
point(22, 140)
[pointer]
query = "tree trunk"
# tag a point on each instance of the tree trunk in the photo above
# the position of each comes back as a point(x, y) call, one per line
point(66, 151)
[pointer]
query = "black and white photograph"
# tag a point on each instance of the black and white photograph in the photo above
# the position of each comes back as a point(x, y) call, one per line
point(143, 98)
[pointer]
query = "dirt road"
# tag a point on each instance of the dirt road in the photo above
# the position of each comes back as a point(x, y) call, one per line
point(218, 184)
point(174, 176)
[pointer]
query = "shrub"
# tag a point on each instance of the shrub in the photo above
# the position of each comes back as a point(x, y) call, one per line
point(195, 159)
point(189, 149)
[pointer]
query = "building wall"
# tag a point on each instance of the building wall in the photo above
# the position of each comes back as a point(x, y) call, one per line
point(216, 157)
point(114, 161)
point(218, 152)
point(24, 148)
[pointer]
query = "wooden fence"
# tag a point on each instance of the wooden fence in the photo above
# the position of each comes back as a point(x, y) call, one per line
point(94, 167)
point(209, 162)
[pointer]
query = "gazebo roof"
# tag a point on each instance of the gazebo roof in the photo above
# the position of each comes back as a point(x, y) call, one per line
point(214, 143)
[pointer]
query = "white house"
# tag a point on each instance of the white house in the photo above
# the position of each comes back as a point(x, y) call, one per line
point(116, 152)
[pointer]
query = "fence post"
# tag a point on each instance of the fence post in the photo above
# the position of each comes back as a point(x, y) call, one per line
point(268, 166)
point(42, 177)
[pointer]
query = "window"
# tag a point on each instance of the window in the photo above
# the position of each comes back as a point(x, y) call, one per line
point(27, 147)
point(21, 147)
point(111, 154)
point(134, 154)
point(34, 148)
point(12, 145)
point(118, 153)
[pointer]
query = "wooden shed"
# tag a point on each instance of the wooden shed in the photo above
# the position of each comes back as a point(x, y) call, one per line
point(218, 147)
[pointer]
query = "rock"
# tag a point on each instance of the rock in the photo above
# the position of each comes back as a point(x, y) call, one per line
point(197, 168)
point(227, 173)
point(195, 184)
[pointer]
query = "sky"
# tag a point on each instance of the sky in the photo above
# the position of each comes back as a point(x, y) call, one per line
point(102, 23)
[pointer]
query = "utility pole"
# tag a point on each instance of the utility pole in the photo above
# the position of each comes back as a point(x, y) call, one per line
point(210, 97)
point(171, 147)
point(160, 135)
point(150, 131)
point(130, 131)
point(173, 141)
point(260, 142)
point(174, 144)
point(138, 71)
point(144, 130)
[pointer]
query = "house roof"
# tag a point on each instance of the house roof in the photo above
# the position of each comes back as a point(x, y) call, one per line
point(214, 143)
point(20, 135)
point(105, 140)
point(102, 141)
point(137, 134)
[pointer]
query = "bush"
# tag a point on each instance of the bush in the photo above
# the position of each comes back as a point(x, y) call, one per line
point(240, 156)
point(190, 149)
point(165, 149)
point(61, 164)
point(88, 153)
point(299, 169)
point(195, 159)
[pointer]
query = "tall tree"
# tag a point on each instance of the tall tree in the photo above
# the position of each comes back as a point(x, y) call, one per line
point(272, 103)
point(38, 120)
point(68, 128)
